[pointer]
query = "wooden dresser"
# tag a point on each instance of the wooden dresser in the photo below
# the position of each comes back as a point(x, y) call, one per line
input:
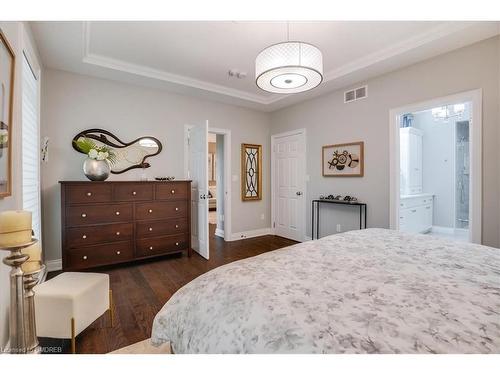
point(113, 222)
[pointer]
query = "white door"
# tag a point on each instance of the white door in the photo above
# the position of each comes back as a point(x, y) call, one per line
point(289, 186)
point(198, 173)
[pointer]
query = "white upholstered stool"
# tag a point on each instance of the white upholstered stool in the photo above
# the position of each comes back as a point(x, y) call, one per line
point(70, 302)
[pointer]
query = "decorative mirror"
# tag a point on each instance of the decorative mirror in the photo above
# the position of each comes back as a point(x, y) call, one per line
point(251, 172)
point(127, 155)
point(7, 64)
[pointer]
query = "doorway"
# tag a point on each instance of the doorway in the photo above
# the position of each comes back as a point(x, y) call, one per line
point(207, 164)
point(436, 167)
point(288, 184)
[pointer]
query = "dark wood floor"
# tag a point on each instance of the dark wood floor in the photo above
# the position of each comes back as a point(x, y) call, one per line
point(141, 289)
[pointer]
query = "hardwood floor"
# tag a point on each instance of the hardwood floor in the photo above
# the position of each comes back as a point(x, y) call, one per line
point(141, 289)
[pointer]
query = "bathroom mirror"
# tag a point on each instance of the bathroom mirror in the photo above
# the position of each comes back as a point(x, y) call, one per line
point(129, 155)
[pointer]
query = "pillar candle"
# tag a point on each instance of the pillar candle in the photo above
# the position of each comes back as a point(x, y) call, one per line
point(15, 228)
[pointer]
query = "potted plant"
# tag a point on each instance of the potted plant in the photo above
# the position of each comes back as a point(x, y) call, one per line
point(97, 166)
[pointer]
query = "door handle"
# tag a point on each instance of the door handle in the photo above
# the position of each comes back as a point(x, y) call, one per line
point(203, 196)
point(298, 193)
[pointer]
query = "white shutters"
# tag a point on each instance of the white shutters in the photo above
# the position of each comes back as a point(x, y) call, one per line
point(31, 146)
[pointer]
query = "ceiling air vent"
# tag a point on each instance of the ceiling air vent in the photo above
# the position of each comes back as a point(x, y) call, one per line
point(355, 94)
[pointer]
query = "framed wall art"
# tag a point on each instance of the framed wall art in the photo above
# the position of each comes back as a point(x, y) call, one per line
point(251, 172)
point(7, 64)
point(343, 160)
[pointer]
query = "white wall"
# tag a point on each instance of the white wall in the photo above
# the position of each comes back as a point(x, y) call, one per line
point(72, 103)
point(19, 36)
point(328, 120)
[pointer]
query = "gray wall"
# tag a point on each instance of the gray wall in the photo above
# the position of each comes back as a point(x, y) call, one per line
point(328, 120)
point(71, 103)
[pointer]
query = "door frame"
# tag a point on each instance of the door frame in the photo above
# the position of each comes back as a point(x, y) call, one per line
point(475, 152)
point(302, 132)
point(227, 173)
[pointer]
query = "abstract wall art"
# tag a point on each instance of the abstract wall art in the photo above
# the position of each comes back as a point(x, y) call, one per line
point(343, 160)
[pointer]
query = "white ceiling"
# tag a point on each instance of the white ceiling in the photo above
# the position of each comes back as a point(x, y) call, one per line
point(195, 57)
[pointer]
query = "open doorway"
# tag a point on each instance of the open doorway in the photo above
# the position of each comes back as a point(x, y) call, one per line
point(216, 187)
point(436, 167)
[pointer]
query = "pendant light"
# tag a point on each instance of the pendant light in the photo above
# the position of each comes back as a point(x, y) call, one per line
point(289, 67)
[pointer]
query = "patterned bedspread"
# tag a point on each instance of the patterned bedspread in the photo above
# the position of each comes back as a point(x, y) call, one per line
point(369, 291)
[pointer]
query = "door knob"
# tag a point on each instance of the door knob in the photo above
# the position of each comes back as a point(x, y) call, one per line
point(298, 193)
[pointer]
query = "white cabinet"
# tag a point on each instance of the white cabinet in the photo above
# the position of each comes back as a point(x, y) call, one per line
point(410, 160)
point(415, 213)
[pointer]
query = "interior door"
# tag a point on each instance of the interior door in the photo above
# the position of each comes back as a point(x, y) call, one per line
point(289, 186)
point(198, 173)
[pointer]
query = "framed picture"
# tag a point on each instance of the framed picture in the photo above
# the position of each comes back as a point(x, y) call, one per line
point(343, 160)
point(251, 172)
point(7, 64)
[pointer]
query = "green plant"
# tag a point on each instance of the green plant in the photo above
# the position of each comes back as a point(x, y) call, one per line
point(95, 151)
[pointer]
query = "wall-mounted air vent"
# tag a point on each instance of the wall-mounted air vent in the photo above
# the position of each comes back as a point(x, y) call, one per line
point(355, 94)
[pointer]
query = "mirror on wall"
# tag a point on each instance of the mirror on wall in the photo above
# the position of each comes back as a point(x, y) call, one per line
point(7, 63)
point(128, 155)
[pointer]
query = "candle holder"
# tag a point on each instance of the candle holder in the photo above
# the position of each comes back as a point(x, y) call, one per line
point(17, 301)
point(31, 279)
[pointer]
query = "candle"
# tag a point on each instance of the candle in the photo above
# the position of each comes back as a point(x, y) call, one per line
point(15, 228)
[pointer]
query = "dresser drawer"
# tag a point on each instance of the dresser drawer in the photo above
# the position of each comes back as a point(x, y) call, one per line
point(160, 210)
point(92, 256)
point(97, 214)
point(171, 190)
point(133, 192)
point(161, 245)
point(82, 236)
point(146, 229)
point(88, 193)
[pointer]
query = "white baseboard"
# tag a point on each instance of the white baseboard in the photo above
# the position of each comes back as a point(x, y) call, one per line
point(444, 230)
point(53, 265)
point(251, 234)
point(219, 232)
point(307, 238)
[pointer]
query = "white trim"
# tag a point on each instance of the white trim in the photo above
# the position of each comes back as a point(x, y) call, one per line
point(302, 132)
point(250, 234)
point(444, 230)
point(53, 265)
point(475, 129)
point(219, 232)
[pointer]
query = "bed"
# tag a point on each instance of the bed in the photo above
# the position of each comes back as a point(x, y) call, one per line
point(368, 291)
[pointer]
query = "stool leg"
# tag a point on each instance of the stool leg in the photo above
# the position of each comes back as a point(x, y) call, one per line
point(73, 339)
point(111, 309)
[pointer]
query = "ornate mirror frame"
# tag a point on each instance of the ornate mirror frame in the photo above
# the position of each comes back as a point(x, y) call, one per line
point(251, 172)
point(112, 140)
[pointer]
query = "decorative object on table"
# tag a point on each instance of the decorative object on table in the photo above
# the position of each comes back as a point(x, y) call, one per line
point(70, 302)
point(99, 158)
point(127, 155)
point(167, 178)
point(251, 172)
point(7, 64)
point(15, 236)
point(343, 160)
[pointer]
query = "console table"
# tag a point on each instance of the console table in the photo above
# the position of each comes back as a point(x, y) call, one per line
point(316, 203)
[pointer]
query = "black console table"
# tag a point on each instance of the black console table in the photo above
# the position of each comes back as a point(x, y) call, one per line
point(317, 202)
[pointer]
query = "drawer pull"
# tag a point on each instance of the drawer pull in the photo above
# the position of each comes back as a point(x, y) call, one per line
point(176, 226)
point(89, 194)
point(177, 208)
point(134, 193)
point(413, 211)
point(118, 253)
point(401, 204)
point(428, 207)
point(177, 244)
point(117, 213)
point(84, 215)
point(150, 229)
point(117, 233)
point(150, 211)
point(172, 191)
point(151, 248)
point(84, 236)
point(84, 257)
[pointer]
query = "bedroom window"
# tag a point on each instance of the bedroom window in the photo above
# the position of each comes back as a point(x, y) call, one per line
point(31, 144)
